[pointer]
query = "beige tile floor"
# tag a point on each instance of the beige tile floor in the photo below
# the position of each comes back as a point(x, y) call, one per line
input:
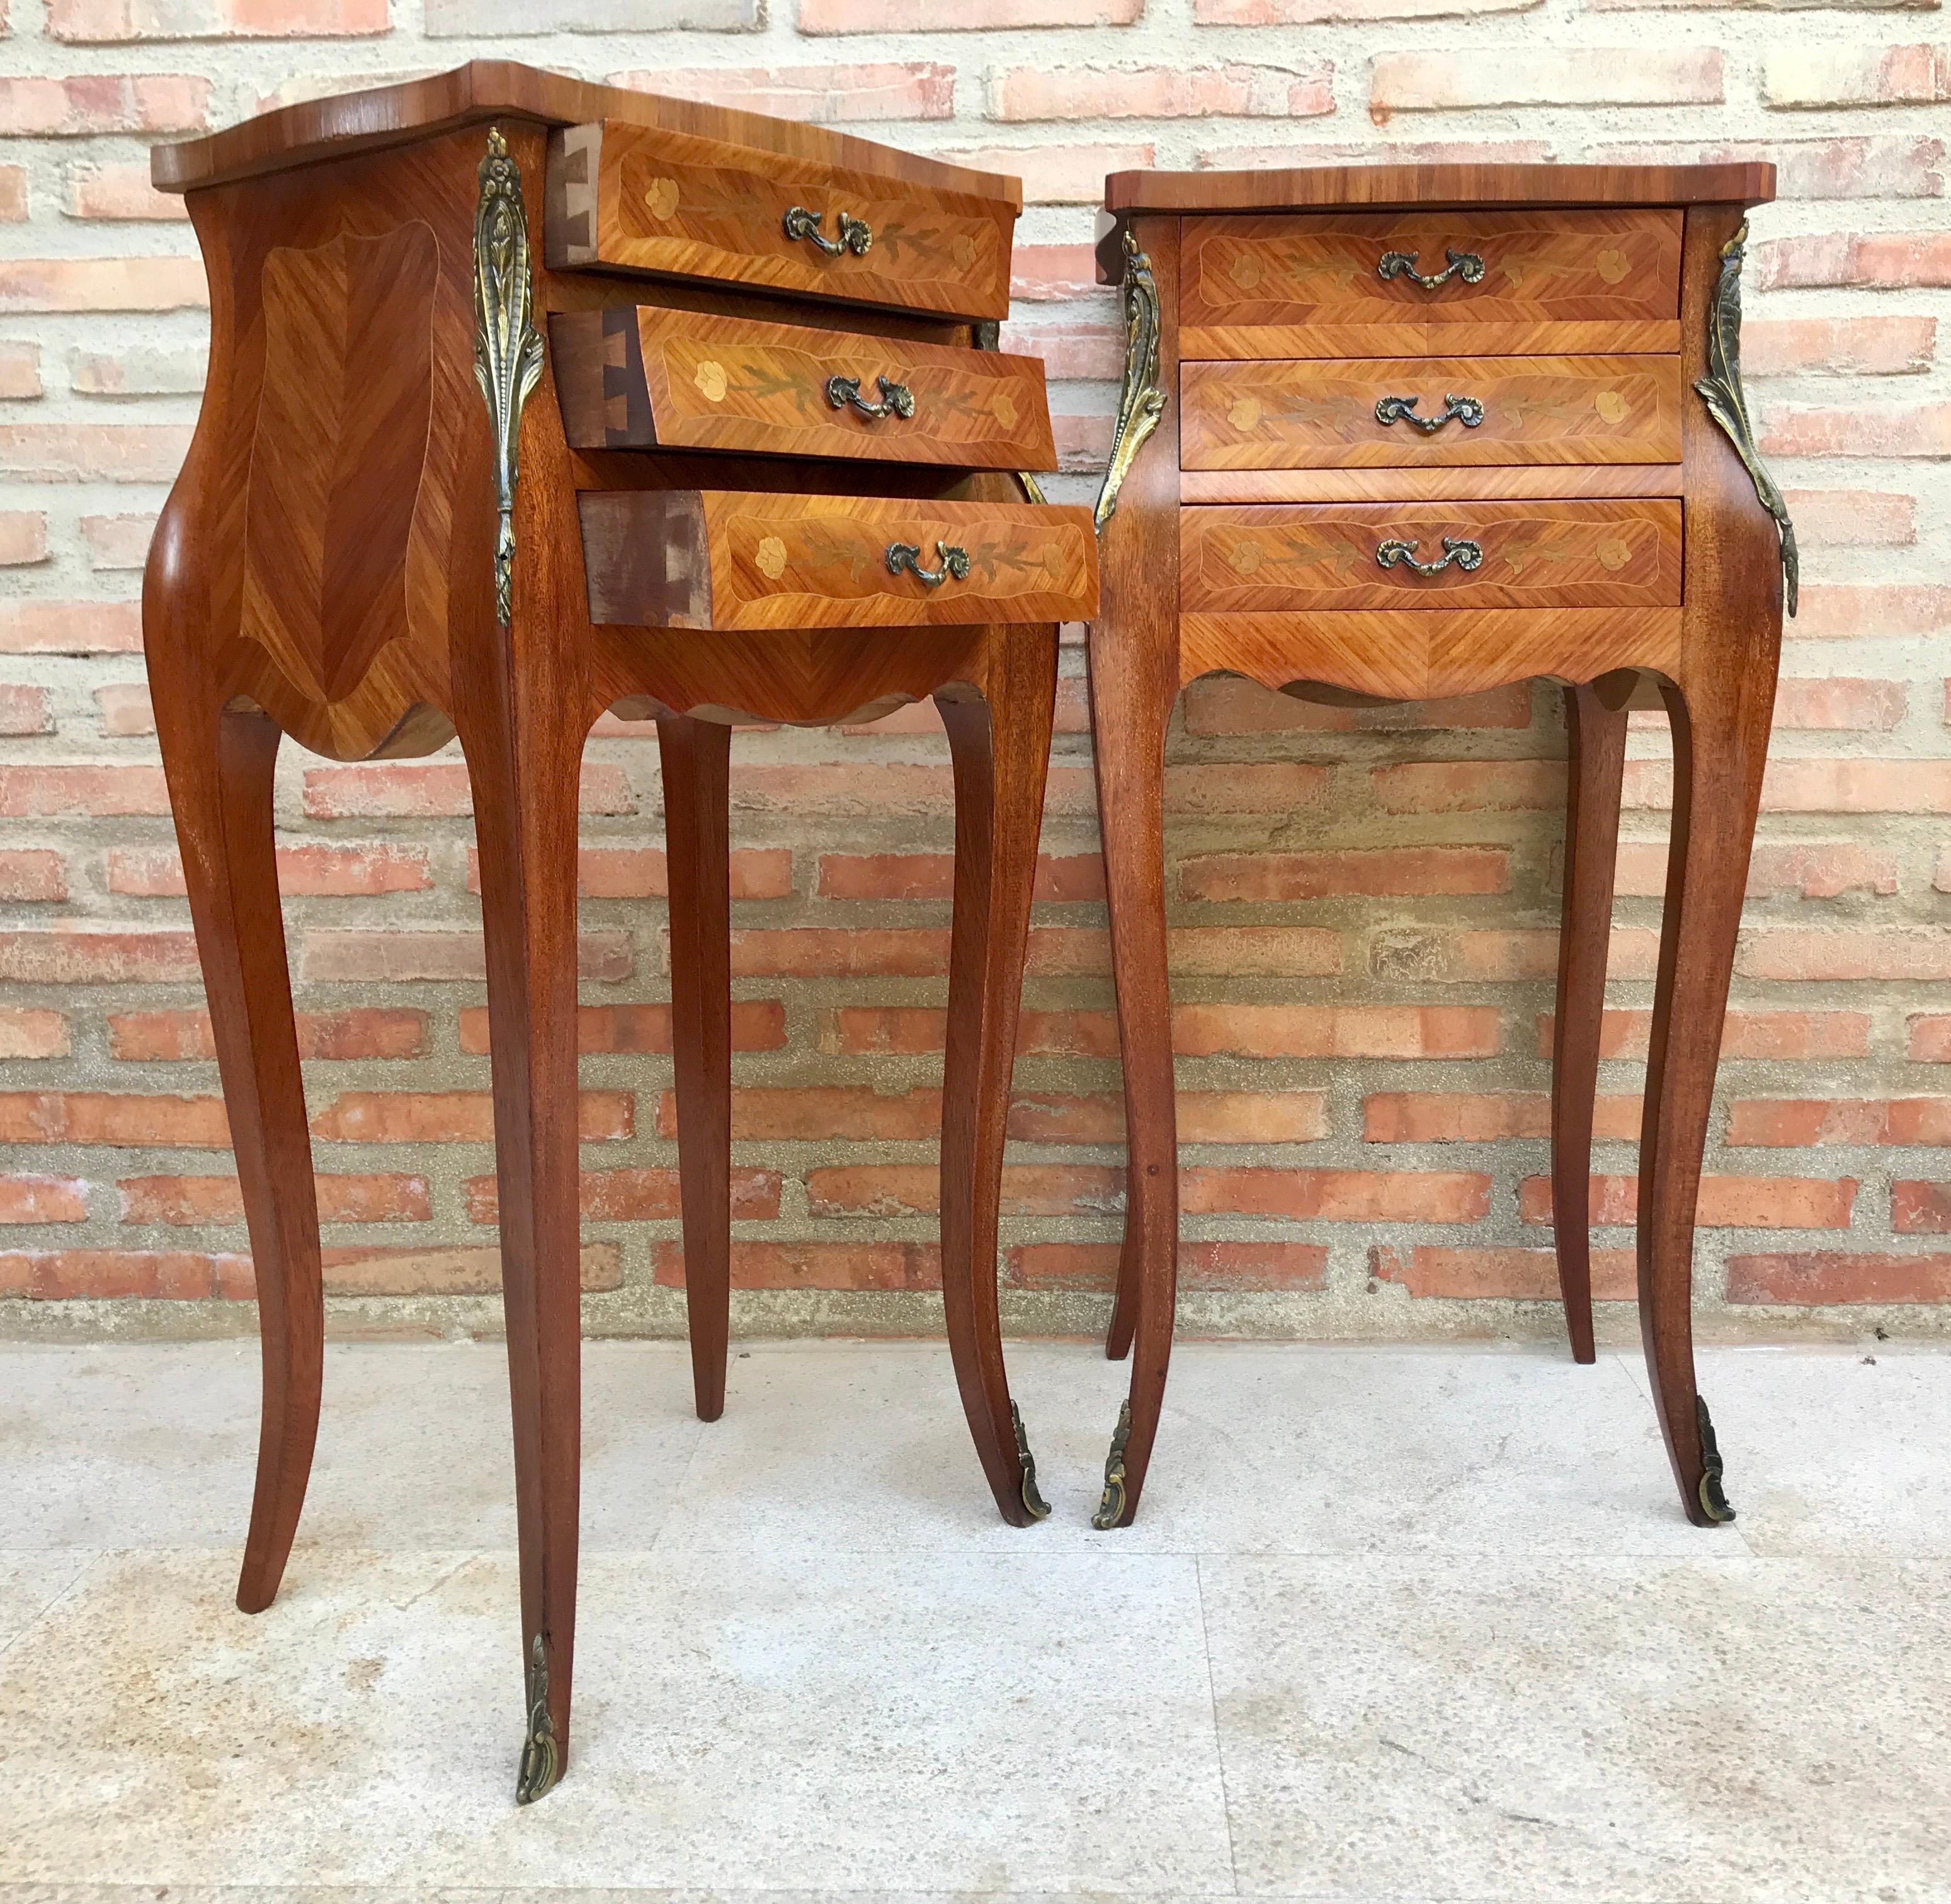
point(1396, 1625)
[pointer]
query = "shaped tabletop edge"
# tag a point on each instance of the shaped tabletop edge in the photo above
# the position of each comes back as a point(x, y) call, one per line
point(1328, 188)
point(341, 124)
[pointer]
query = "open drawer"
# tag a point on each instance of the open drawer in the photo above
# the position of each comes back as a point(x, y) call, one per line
point(630, 197)
point(732, 559)
point(636, 377)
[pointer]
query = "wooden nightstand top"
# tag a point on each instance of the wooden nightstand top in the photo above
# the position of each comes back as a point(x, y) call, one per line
point(1340, 187)
point(485, 89)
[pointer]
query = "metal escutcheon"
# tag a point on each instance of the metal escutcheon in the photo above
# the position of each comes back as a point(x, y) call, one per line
point(906, 556)
point(1466, 265)
point(896, 399)
point(855, 234)
point(1466, 410)
point(1466, 554)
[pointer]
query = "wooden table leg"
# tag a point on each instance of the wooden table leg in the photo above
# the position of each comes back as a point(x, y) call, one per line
point(1000, 747)
point(1720, 720)
point(696, 756)
point(1134, 683)
point(526, 772)
point(218, 765)
point(1595, 764)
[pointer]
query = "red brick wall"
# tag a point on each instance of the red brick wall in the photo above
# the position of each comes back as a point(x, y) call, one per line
point(1364, 904)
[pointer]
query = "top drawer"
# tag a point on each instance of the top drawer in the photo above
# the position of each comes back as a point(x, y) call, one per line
point(1411, 283)
point(638, 199)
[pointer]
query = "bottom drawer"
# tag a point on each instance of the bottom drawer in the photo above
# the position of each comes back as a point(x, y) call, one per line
point(1286, 558)
point(730, 559)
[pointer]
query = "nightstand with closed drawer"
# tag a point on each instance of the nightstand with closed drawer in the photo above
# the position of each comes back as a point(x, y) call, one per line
point(1401, 433)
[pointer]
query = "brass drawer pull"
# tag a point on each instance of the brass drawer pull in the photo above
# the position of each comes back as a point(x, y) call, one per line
point(855, 234)
point(1466, 410)
point(1464, 553)
point(1466, 265)
point(906, 555)
point(896, 399)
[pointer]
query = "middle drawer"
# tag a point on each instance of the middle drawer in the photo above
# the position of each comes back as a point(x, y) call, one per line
point(1374, 412)
point(639, 377)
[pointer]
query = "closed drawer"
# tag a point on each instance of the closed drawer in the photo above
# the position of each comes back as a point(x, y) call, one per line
point(639, 198)
point(1353, 284)
point(1393, 412)
point(631, 377)
point(1292, 559)
point(730, 560)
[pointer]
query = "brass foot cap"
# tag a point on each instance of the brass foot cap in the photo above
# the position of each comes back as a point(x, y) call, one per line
point(1111, 1502)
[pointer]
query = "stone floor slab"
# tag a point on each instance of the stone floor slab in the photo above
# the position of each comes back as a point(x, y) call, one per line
point(1744, 1730)
point(847, 1723)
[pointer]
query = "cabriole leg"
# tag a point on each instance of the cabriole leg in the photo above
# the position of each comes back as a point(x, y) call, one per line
point(525, 800)
point(1720, 728)
point(219, 764)
point(696, 756)
point(1133, 685)
point(1595, 764)
point(1001, 747)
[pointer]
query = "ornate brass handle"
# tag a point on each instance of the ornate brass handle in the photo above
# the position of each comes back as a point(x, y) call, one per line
point(896, 399)
point(855, 234)
point(1466, 265)
point(1464, 553)
point(1466, 410)
point(906, 555)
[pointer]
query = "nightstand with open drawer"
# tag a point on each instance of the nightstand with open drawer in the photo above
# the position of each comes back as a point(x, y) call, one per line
point(527, 397)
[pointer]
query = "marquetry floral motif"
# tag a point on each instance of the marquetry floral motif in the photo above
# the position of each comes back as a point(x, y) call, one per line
point(660, 197)
point(787, 386)
point(1337, 264)
point(840, 556)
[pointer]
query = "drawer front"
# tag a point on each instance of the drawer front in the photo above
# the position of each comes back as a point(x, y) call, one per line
point(1293, 559)
point(637, 199)
point(1338, 413)
point(1341, 275)
point(733, 560)
point(634, 377)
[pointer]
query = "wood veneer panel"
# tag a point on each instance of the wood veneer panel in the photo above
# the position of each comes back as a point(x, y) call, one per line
point(1508, 482)
point(1413, 655)
point(1542, 266)
point(632, 377)
point(1323, 187)
point(1277, 560)
point(736, 560)
point(1659, 337)
point(375, 116)
point(637, 199)
point(1322, 413)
